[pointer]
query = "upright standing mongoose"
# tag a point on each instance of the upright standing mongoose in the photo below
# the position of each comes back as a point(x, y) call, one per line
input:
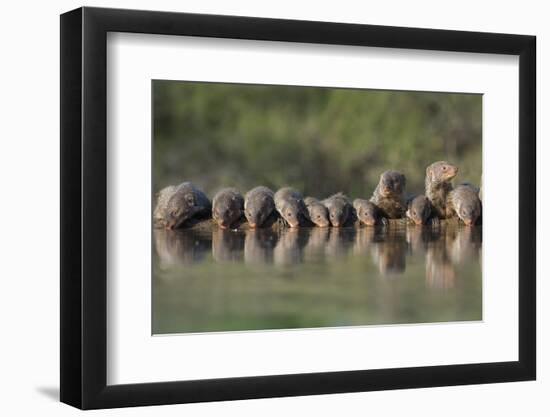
point(318, 213)
point(367, 212)
point(227, 207)
point(290, 205)
point(176, 204)
point(258, 205)
point(420, 211)
point(464, 202)
point(389, 195)
point(438, 185)
point(339, 209)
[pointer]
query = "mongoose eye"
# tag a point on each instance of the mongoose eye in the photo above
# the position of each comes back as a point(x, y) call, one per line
point(414, 213)
point(332, 216)
point(289, 214)
point(444, 168)
point(318, 216)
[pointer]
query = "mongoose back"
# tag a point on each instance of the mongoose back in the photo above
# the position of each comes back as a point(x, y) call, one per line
point(290, 205)
point(389, 195)
point(339, 209)
point(367, 212)
point(258, 205)
point(464, 202)
point(176, 204)
point(227, 207)
point(438, 185)
point(318, 213)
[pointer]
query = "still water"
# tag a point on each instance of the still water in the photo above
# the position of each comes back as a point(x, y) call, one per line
point(224, 280)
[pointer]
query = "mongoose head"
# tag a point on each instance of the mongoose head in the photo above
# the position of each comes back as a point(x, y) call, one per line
point(318, 214)
point(227, 208)
point(366, 211)
point(291, 212)
point(392, 184)
point(419, 210)
point(441, 171)
point(180, 207)
point(338, 210)
point(468, 209)
point(258, 208)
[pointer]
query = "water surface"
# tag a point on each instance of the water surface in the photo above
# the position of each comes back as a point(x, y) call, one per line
point(225, 280)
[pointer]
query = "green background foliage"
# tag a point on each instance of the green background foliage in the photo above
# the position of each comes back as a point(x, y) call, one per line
point(318, 140)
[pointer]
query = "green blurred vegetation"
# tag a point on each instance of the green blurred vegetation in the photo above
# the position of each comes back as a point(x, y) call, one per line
point(319, 140)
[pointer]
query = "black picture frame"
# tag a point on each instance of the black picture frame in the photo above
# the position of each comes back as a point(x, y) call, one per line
point(84, 207)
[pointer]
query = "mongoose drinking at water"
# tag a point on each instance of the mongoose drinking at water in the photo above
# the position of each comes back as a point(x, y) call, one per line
point(290, 205)
point(339, 209)
point(389, 195)
point(159, 214)
point(176, 204)
point(227, 207)
point(318, 213)
point(438, 185)
point(419, 210)
point(367, 212)
point(464, 202)
point(258, 205)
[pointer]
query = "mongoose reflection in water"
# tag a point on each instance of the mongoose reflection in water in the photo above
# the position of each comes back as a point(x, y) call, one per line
point(290, 205)
point(318, 213)
point(288, 250)
point(339, 209)
point(258, 206)
point(227, 245)
point(464, 202)
point(227, 207)
point(389, 195)
point(258, 246)
point(368, 213)
point(177, 204)
point(181, 247)
point(438, 186)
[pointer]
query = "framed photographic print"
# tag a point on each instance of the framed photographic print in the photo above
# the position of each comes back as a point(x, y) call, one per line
point(258, 208)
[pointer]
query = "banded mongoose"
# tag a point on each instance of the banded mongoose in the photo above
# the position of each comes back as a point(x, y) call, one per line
point(389, 195)
point(177, 204)
point(227, 207)
point(339, 209)
point(438, 185)
point(419, 210)
point(367, 212)
point(290, 205)
point(258, 205)
point(318, 213)
point(464, 202)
